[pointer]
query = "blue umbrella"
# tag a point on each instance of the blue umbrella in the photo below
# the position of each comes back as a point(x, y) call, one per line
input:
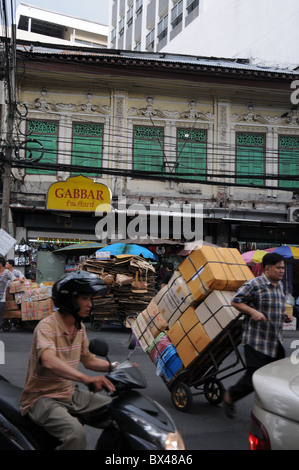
point(129, 249)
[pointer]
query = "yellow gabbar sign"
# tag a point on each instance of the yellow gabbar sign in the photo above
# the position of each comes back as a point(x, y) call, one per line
point(79, 193)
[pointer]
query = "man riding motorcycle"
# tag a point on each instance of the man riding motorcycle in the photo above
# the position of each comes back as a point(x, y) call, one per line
point(59, 345)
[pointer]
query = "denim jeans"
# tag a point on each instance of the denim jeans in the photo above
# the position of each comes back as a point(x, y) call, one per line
point(2, 308)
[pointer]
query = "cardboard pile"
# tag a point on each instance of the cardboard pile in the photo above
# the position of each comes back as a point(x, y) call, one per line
point(131, 282)
point(28, 301)
point(193, 309)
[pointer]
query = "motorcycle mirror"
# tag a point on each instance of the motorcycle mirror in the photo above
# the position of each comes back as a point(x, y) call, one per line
point(98, 347)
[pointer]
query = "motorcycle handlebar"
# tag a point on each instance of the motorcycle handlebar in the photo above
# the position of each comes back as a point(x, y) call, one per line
point(92, 387)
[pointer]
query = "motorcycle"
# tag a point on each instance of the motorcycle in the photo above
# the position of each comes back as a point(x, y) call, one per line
point(135, 421)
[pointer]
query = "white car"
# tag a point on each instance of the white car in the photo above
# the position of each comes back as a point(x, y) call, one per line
point(275, 412)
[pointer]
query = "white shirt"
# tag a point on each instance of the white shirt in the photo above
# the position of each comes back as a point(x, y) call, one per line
point(5, 278)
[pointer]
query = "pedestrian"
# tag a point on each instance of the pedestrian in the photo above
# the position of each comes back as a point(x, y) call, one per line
point(262, 301)
point(168, 274)
point(59, 344)
point(10, 265)
point(5, 278)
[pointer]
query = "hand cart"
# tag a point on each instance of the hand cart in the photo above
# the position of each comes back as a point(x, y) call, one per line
point(98, 321)
point(7, 323)
point(203, 373)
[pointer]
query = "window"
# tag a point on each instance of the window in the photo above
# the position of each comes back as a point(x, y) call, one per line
point(289, 161)
point(138, 7)
point(87, 146)
point(148, 148)
point(192, 153)
point(45, 28)
point(162, 28)
point(191, 5)
point(45, 132)
point(150, 39)
point(177, 14)
point(121, 26)
point(113, 34)
point(250, 158)
point(130, 14)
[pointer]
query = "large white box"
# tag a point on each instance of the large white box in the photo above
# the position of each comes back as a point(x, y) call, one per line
point(216, 312)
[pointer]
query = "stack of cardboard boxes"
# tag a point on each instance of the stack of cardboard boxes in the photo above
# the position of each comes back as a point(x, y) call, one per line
point(195, 306)
point(28, 301)
point(131, 282)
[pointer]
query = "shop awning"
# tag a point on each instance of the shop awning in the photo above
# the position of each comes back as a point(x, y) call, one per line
point(83, 246)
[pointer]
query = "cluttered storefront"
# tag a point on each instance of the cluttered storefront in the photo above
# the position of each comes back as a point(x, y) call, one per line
point(76, 221)
point(79, 220)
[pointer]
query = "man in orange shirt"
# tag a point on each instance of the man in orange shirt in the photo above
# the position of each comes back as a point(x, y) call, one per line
point(59, 345)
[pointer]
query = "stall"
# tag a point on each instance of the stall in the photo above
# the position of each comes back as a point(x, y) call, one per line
point(130, 277)
point(27, 303)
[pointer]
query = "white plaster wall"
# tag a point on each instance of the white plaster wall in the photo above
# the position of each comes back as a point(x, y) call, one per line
point(261, 29)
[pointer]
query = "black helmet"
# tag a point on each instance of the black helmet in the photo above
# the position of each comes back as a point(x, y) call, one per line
point(70, 285)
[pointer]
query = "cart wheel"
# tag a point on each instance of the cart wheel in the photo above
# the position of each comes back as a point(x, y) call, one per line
point(17, 323)
point(96, 326)
point(6, 326)
point(214, 391)
point(181, 396)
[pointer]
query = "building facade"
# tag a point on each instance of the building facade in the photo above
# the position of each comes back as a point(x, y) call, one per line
point(263, 30)
point(40, 25)
point(160, 132)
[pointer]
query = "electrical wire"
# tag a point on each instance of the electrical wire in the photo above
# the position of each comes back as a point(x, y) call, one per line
point(227, 153)
point(223, 154)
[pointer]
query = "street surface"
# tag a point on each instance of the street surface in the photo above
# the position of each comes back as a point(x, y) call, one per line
point(203, 427)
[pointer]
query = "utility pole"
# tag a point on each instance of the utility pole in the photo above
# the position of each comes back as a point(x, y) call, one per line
point(11, 67)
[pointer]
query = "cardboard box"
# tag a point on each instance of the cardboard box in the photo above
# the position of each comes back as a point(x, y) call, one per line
point(9, 296)
point(13, 313)
point(174, 298)
point(210, 268)
point(153, 319)
point(36, 310)
point(188, 336)
point(30, 311)
point(41, 293)
point(241, 272)
point(11, 305)
point(216, 312)
point(167, 306)
point(142, 333)
point(18, 286)
point(45, 307)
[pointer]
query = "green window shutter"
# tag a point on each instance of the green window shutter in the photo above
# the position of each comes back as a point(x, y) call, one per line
point(192, 154)
point(289, 160)
point(45, 132)
point(87, 147)
point(148, 149)
point(250, 158)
